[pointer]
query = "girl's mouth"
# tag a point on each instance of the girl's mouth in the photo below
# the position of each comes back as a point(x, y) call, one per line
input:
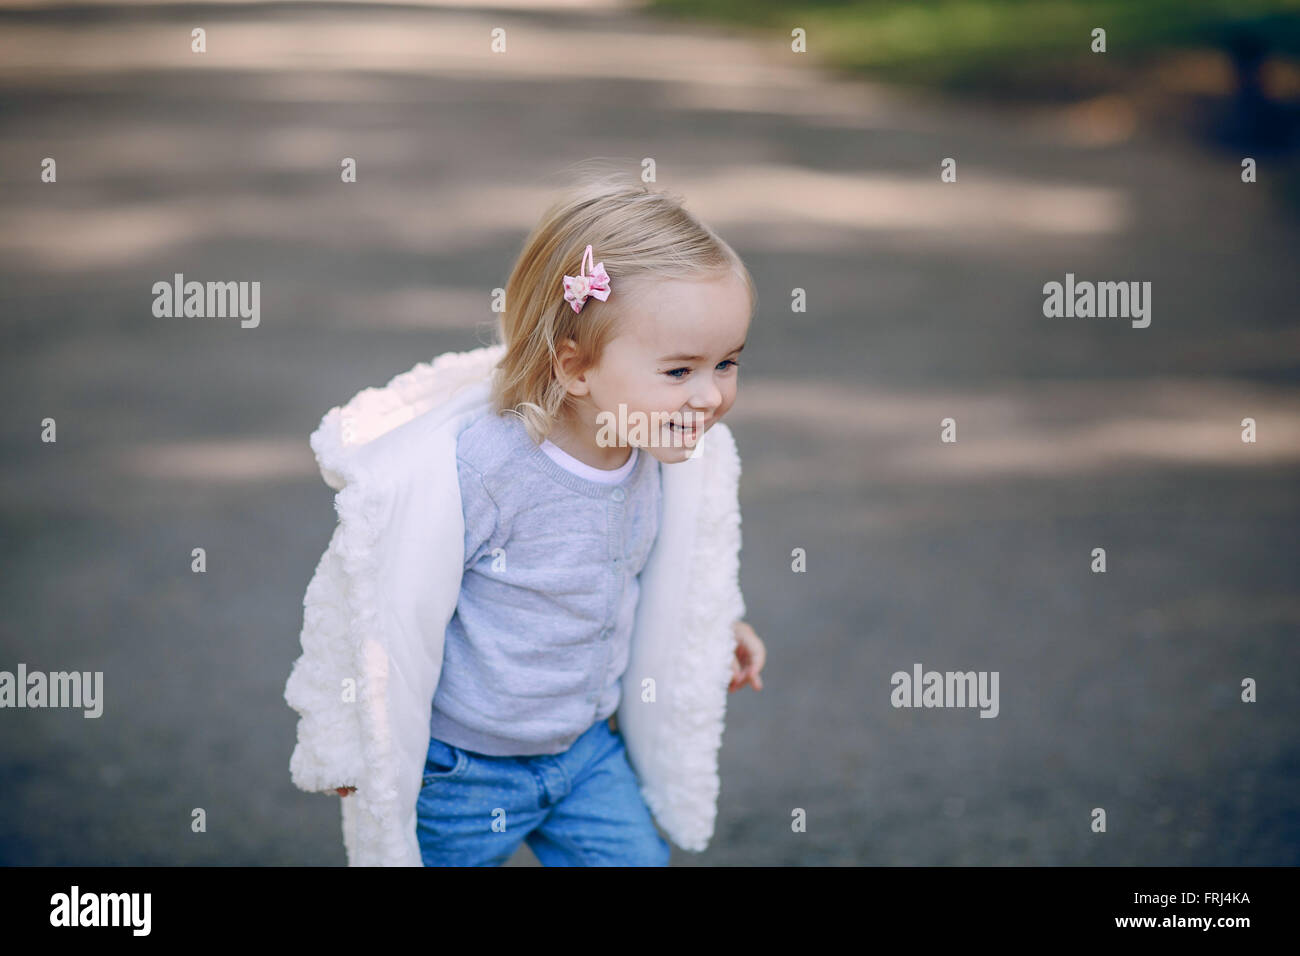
point(686, 431)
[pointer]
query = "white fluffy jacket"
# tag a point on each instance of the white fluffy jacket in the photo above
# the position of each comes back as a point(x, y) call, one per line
point(376, 609)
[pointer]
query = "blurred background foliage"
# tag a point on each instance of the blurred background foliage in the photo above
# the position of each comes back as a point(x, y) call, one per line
point(1031, 47)
point(1227, 71)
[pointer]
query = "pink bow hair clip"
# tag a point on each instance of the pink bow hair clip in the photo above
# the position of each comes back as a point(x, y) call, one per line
point(594, 283)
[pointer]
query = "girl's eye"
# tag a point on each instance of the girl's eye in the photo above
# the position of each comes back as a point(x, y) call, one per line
point(672, 373)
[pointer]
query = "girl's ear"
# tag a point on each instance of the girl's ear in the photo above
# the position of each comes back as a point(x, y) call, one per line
point(566, 368)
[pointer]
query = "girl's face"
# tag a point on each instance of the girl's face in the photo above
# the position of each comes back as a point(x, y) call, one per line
point(672, 365)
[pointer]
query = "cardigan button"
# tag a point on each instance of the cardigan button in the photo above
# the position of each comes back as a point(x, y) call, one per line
point(619, 494)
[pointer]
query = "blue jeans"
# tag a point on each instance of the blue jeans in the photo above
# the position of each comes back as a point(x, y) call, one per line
point(582, 807)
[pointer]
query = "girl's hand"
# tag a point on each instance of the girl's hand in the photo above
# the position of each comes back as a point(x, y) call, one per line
point(344, 791)
point(749, 659)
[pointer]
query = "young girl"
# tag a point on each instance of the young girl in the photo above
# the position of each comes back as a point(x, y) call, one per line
point(625, 318)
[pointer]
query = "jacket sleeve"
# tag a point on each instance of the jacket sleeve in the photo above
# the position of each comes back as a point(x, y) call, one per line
point(322, 686)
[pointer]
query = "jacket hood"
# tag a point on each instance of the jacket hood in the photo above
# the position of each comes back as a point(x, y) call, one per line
point(373, 412)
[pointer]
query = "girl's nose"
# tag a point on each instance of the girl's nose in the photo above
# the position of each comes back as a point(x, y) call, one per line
point(707, 397)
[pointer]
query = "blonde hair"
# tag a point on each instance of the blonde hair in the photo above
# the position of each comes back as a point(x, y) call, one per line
point(640, 235)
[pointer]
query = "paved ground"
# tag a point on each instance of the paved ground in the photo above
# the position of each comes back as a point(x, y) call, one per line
point(1117, 691)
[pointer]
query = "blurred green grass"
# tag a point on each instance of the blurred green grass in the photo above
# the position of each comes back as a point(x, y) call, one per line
point(1035, 48)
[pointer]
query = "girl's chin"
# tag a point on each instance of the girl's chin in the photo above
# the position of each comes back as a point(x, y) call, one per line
point(671, 454)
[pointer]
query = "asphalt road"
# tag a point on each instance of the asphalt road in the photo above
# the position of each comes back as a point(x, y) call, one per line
point(1118, 691)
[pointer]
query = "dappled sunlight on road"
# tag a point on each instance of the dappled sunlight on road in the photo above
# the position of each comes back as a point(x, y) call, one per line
point(985, 207)
point(108, 234)
point(441, 219)
point(220, 461)
point(396, 40)
point(853, 437)
point(135, 189)
point(850, 437)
